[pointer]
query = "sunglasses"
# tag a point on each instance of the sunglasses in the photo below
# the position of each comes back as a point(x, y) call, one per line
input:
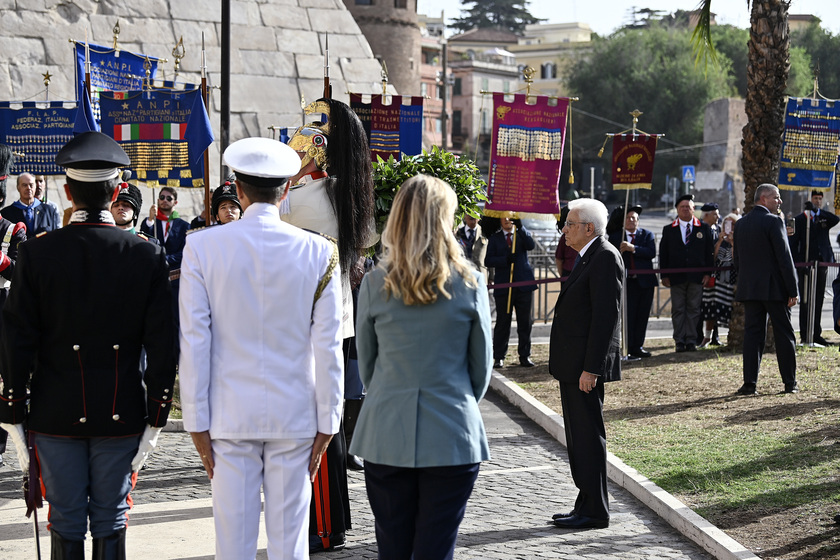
point(166, 197)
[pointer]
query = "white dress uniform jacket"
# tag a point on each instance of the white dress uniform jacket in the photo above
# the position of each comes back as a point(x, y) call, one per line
point(258, 360)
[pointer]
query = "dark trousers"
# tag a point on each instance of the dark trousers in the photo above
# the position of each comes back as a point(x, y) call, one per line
point(639, 302)
point(87, 478)
point(819, 298)
point(418, 511)
point(586, 443)
point(521, 304)
point(755, 333)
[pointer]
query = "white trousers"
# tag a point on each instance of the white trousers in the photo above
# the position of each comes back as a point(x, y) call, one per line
point(281, 468)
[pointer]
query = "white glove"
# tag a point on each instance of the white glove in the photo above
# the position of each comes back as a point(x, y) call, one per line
point(148, 441)
point(16, 432)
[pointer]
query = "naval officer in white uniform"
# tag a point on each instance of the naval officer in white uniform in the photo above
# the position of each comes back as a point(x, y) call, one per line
point(261, 362)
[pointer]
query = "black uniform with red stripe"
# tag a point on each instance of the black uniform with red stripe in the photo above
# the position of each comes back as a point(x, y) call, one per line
point(11, 235)
point(84, 300)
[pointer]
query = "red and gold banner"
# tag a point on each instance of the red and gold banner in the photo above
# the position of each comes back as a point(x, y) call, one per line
point(633, 156)
point(526, 155)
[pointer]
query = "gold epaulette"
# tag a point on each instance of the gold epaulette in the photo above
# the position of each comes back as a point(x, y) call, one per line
point(325, 279)
point(42, 234)
point(143, 236)
point(202, 228)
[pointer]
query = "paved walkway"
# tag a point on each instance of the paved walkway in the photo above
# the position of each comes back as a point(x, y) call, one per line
point(507, 517)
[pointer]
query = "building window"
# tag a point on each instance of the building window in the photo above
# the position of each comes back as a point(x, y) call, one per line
point(438, 125)
point(456, 88)
point(424, 89)
point(485, 123)
point(400, 4)
point(485, 84)
point(548, 71)
point(364, 2)
point(506, 86)
point(439, 91)
point(456, 123)
point(521, 69)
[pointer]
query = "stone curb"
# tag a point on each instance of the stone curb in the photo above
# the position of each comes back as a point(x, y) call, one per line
point(666, 506)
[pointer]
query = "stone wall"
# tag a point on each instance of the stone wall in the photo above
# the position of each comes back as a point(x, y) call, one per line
point(277, 55)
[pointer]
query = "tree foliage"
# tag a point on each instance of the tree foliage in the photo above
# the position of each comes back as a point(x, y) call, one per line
point(822, 48)
point(731, 42)
point(652, 70)
point(507, 15)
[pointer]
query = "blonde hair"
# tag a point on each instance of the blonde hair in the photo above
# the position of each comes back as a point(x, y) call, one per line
point(419, 246)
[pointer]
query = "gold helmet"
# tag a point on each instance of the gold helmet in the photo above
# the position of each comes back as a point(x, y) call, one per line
point(311, 139)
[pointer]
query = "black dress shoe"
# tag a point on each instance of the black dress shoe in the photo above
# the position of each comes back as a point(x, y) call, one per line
point(821, 340)
point(792, 387)
point(498, 364)
point(581, 522)
point(317, 545)
point(526, 362)
point(631, 358)
point(747, 389)
point(641, 353)
point(680, 347)
point(355, 463)
point(563, 515)
point(715, 342)
point(691, 347)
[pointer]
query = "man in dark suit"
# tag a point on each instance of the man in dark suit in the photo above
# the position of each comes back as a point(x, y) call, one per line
point(638, 248)
point(584, 354)
point(686, 243)
point(37, 216)
point(473, 242)
point(811, 235)
point(507, 252)
point(766, 286)
point(93, 418)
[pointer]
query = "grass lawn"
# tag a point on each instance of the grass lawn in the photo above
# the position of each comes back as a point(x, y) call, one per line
point(765, 469)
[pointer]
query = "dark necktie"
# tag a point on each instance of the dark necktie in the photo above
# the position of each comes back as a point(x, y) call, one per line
point(470, 241)
point(687, 233)
point(577, 260)
point(509, 238)
point(632, 259)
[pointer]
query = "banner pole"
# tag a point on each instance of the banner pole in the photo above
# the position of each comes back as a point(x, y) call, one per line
point(513, 252)
point(624, 348)
point(206, 97)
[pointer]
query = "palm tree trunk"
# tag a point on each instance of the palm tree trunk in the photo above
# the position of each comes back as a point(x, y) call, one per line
point(768, 67)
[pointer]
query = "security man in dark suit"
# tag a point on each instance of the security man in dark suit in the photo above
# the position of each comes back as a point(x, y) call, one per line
point(766, 286)
point(584, 354)
point(638, 249)
point(91, 415)
point(686, 243)
point(507, 252)
point(818, 246)
point(39, 217)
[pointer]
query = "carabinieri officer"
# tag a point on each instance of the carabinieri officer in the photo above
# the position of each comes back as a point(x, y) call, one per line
point(89, 417)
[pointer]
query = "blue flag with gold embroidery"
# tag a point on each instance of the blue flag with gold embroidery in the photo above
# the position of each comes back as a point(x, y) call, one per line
point(810, 145)
point(164, 132)
point(38, 130)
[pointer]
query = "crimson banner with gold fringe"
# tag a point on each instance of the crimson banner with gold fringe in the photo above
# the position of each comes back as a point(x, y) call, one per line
point(810, 144)
point(632, 162)
point(526, 155)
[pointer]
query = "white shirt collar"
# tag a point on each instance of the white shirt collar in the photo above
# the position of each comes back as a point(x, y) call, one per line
point(585, 247)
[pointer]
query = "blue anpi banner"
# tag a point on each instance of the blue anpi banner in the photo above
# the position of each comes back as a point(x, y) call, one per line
point(111, 70)
point(164, 132)
point(37, 130)
point(810, 145)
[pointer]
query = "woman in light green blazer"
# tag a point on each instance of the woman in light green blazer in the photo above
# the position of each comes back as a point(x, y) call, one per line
point(425, 357)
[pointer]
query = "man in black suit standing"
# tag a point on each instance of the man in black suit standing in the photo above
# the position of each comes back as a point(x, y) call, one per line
point(686, 243)
point(766, 286)
point(584, 354)
point(507, 253)
point(638, 248)
point(813, 238)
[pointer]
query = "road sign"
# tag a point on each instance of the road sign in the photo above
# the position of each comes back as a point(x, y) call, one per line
point(688, 173)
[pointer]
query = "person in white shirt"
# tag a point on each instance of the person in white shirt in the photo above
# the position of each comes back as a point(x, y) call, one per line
point(261, 362)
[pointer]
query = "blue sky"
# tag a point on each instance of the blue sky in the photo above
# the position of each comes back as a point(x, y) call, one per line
point(604, 16)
